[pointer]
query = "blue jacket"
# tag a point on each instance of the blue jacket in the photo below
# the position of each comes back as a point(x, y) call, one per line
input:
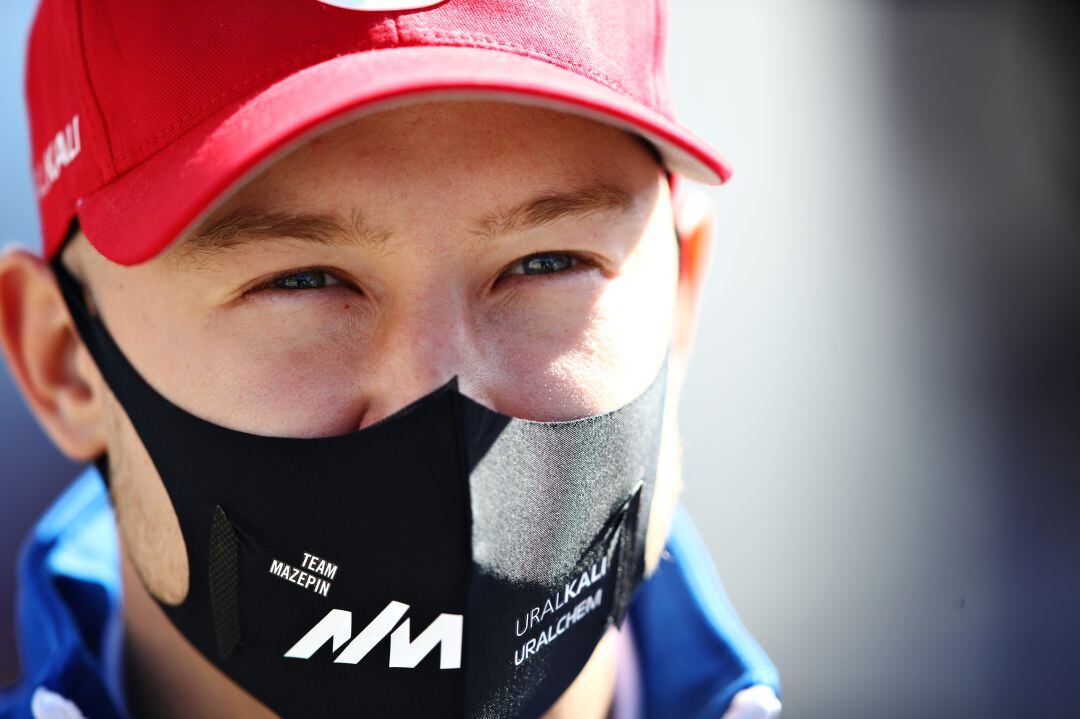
point(693, 651)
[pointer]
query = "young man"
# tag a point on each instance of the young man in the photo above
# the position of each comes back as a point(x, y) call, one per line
point(373, 317)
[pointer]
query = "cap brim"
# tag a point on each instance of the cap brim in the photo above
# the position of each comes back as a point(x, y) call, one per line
point(137, 215)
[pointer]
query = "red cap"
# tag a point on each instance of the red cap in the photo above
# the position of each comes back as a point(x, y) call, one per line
point(143, 113)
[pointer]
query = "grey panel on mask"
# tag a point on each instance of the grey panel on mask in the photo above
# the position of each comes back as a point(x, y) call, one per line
point(572, 475)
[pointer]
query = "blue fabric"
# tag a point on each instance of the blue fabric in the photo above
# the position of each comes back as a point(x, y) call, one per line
point(694, 653)
point(68, 609)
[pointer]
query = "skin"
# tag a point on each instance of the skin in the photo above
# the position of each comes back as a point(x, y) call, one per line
point(426, 284)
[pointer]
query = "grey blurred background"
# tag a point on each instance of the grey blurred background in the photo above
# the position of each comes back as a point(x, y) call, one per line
point(883, 422)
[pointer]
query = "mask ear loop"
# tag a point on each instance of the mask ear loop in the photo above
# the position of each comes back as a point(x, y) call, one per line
point(101, 462)
point(74, 295)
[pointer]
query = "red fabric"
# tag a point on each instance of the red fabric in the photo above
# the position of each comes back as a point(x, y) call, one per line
point(177, 101)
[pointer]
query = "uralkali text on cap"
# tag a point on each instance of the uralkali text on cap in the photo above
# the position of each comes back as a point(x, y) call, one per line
point(144, 113)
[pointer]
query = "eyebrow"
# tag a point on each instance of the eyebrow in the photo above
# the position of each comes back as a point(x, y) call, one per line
point(551, 206)
point(245, 225)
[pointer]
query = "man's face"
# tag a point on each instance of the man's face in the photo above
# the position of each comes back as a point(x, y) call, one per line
point(531, 254)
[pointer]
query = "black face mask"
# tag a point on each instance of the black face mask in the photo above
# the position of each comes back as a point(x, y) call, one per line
point(448, 561)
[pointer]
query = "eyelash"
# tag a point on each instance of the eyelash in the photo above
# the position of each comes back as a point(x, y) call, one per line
point(576, 262)
point(332, 279)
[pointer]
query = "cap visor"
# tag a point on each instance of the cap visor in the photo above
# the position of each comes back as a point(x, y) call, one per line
point(137, 215)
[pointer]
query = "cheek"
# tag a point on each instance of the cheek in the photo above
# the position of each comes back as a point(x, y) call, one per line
point(298, 376)
point(568, 354)
point(285, 371)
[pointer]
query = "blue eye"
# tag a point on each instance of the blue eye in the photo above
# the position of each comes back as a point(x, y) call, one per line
point(543, 264)
point(305, 280)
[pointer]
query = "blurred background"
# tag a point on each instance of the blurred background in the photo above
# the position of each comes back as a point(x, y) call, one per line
point(883, 422)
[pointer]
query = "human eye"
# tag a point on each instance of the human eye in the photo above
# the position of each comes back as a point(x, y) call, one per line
point(295, 284)
point(544, 263)
point(309, 279)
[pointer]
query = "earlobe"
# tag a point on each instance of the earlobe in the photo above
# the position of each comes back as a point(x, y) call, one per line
point(46, 358)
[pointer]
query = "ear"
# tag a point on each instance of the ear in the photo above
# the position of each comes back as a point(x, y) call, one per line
point(695, 222)
point(47, 360)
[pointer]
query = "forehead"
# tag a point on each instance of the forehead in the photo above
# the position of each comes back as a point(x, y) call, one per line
point(452, 148)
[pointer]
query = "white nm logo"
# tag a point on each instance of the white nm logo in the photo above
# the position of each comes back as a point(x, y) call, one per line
point(336, 627)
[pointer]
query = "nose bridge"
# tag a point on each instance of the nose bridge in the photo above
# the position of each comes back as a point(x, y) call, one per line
point(422, 342)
